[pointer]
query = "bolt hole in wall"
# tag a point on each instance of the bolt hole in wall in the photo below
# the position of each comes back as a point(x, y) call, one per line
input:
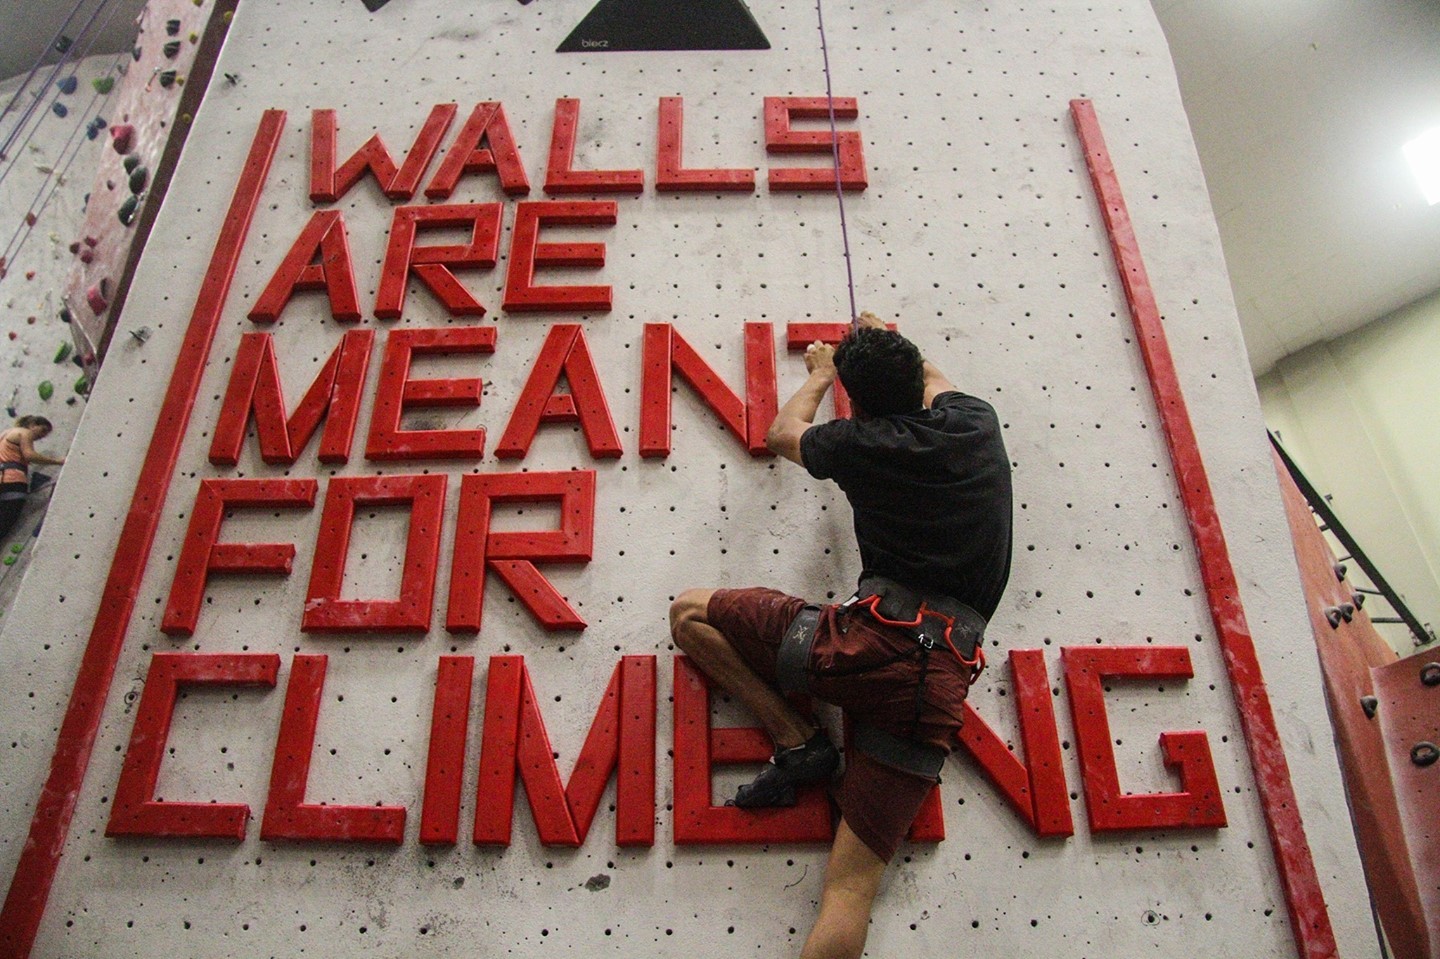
point(375, 708)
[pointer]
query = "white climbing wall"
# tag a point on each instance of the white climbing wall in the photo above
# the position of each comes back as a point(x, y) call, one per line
point(47, 176)
point(979, 233)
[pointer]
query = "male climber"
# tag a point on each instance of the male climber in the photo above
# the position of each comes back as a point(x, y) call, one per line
point(925, 470)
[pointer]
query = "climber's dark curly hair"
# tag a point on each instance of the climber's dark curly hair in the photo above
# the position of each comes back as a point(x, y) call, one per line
point(882, 371)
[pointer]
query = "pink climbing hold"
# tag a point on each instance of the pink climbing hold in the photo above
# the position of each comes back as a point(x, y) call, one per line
point(91, 242)
point(122, 137)
point(87, 256)
point(96, 299)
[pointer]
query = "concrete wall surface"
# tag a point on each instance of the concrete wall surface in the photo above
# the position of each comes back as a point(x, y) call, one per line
point(293, 760)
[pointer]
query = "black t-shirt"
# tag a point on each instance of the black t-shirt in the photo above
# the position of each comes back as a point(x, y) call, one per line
point(931, 495)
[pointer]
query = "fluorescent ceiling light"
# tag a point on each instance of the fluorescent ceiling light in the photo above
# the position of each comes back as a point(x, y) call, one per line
point(1423, 152)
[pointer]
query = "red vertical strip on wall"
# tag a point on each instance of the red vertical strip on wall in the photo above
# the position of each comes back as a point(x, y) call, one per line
point(39, 860)
point(1309, 920)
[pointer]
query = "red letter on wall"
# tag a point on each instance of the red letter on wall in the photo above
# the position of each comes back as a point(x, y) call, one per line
point(1198, 804)
point(287, 814)
point(432, 265)
point(780, 138)
point(445, 767)
point(561, 178)
point(1036, 791)
point(670, 174)
point(512, 556)
point(334, 396)
point(136, 812)
point(664, 350)
point(622, 737)
point(698, 748)
point(201, 554)
point(565, 351)
point(325, 611)
point(397, 392)
point(487, 125)
point(319, 260)
point(327, 184)
point(522, 294)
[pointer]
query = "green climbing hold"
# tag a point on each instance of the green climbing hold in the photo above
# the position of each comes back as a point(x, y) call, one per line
point(131, 161)
point(46, 389)
point(16, 547)
point(139, 178)
point(10, 560)
point(127, 210)
point(82, 386)
point(63, 354)
point(103, 85)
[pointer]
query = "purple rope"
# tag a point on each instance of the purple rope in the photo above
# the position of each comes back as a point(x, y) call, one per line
point(835, 153)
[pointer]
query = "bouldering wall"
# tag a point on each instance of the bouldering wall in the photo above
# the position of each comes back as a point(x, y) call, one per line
point(461, 352)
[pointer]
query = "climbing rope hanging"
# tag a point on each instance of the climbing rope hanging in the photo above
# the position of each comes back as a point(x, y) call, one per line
point(70, 53)
point(835, 159)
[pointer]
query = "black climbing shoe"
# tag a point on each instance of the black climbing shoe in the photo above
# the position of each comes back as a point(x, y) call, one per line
point(788, 770)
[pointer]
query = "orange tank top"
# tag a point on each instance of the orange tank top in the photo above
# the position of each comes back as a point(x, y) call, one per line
point(13, 457)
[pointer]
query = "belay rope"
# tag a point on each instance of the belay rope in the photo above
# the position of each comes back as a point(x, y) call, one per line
point(835, 157)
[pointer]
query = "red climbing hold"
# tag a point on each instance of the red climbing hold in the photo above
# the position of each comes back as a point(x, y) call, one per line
point(91, 242)
point(123, 137)
point(96, 299)
point(29, 219)
point(87, 256)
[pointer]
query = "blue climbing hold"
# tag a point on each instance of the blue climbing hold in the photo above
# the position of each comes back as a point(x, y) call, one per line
point(69, 84)
point(59, 109)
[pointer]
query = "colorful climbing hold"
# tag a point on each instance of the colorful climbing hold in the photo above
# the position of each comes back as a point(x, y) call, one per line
point(17, 547)
point(62, 43)
point(82, 386)
point(167, 78)
point(130, 163)
point(122, 137)
point(95, 297)
point(68, 84)
point(172, 27)
point(59, 109)
point(9, 560)
point(171, 49)
point(138, 180)
point(63, 354)
point(126, 213)
point(103, 85)
point(46, 389)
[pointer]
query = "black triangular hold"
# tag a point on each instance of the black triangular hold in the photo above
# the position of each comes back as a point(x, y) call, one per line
point(373, 5)
point(666, 25)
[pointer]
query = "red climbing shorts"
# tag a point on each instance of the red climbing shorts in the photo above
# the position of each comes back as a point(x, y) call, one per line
point(866, 669)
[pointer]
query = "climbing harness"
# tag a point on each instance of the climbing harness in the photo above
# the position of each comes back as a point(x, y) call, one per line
point(929, 620)
point(835, 156)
